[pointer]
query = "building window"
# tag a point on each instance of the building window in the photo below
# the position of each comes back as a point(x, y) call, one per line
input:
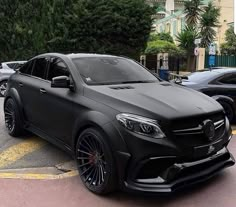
point(174, 27)
point(183, 23)
point(168, 28)
point(161, 28)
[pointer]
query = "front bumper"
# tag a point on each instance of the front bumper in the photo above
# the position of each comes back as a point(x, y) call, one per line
point(180, 175)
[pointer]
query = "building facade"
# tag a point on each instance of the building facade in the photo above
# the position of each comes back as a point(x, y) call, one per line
point(226, 18)
point(172, 18)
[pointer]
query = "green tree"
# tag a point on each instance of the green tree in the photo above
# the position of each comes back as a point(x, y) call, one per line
point(229, 47)
point(30, 27)
point(162, 46)
point(186, 42)
point(161, 36)
point(208, 22)
point(193, 12)
point(201, 23)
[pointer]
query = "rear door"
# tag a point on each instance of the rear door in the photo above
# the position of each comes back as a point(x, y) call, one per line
point(31, 83)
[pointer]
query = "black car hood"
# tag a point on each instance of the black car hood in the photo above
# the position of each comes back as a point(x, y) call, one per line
point(161, 99)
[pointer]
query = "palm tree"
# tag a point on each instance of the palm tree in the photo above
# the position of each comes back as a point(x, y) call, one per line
point(193, 12)
point(208, 23)
point(186, 42)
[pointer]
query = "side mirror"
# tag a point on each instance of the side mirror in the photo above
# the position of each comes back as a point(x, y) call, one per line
point(178, 80)
point(60, 82)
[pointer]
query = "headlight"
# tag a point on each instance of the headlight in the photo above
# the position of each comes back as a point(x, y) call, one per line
point(140, 125)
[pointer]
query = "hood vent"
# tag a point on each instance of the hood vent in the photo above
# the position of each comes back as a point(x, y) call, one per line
point(122, 87)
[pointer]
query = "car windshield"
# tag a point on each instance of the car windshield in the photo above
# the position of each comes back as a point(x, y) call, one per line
point(202, 75)
point(112, 70)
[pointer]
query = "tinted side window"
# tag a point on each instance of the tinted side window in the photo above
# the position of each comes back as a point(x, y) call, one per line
point(11, 65)
point(40, 68)
point(229, 79)
point(57, 68)
point(27, 67)
point(18, 65)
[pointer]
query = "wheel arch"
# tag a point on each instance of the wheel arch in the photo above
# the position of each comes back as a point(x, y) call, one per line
point(225, 99)
point(222, 98)
point(102, 123)
point(12, 93)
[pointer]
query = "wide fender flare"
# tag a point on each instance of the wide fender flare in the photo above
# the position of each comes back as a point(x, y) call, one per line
point(12, 93)
point(222, 98)
point(103, 123)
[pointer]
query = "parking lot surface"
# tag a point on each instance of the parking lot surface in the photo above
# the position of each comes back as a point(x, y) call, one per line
point(28, 152)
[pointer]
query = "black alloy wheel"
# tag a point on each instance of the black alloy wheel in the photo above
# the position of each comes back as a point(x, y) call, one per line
point(12, 118)
point(3, 88)
point(9, 116)
point(95, 163)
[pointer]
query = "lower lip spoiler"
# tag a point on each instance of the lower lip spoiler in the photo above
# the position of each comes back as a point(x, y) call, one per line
point(188, 174)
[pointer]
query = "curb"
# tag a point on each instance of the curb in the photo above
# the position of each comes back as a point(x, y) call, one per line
point(35, 176)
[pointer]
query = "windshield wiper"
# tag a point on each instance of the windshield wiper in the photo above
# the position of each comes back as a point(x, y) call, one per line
point(120, 82)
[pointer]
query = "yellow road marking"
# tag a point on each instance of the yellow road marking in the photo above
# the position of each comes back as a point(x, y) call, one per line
point(234, 132)
point(30, 176)
point(18, 151)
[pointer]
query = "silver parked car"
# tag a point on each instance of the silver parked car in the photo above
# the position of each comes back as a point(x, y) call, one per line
point(6, 70)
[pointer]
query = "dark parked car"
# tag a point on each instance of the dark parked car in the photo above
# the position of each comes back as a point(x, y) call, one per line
point(217, 83)
point(126, 128)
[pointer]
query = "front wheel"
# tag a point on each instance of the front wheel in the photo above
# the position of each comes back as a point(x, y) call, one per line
point(95, 162)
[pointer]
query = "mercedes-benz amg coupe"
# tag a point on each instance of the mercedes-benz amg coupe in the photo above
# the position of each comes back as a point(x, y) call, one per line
point(126, 128)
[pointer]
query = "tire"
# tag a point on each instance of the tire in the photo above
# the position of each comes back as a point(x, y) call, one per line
point(3, 88)
point(95, 162)
point(12, 118)
point(229, 112)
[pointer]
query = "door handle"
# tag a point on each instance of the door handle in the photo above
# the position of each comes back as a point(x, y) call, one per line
point(42, 91)
point(21, 84)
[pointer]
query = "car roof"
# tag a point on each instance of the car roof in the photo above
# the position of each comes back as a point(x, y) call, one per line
point(76, 55)
point(82, 55)
point(208, 75)
point(14, 62)
point(220, 70)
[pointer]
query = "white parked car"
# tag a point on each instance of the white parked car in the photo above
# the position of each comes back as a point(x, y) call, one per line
point(6, 70)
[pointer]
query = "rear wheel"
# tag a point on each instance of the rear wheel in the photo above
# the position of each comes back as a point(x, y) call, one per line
point(12, 118)
point(3, 88)
point(228, 111)
point(95, 162)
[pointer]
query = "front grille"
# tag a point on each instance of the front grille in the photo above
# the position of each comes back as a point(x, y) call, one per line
point(190, 131)
point(194, 121)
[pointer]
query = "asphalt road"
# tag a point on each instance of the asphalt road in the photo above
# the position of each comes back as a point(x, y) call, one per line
point(27, 152)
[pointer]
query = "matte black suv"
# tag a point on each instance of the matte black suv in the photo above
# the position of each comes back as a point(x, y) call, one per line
point(126, 128)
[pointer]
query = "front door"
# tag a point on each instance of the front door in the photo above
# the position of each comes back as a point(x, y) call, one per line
point(57, 110)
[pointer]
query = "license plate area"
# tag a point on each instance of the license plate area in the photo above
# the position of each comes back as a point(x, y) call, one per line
point(207, 150)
